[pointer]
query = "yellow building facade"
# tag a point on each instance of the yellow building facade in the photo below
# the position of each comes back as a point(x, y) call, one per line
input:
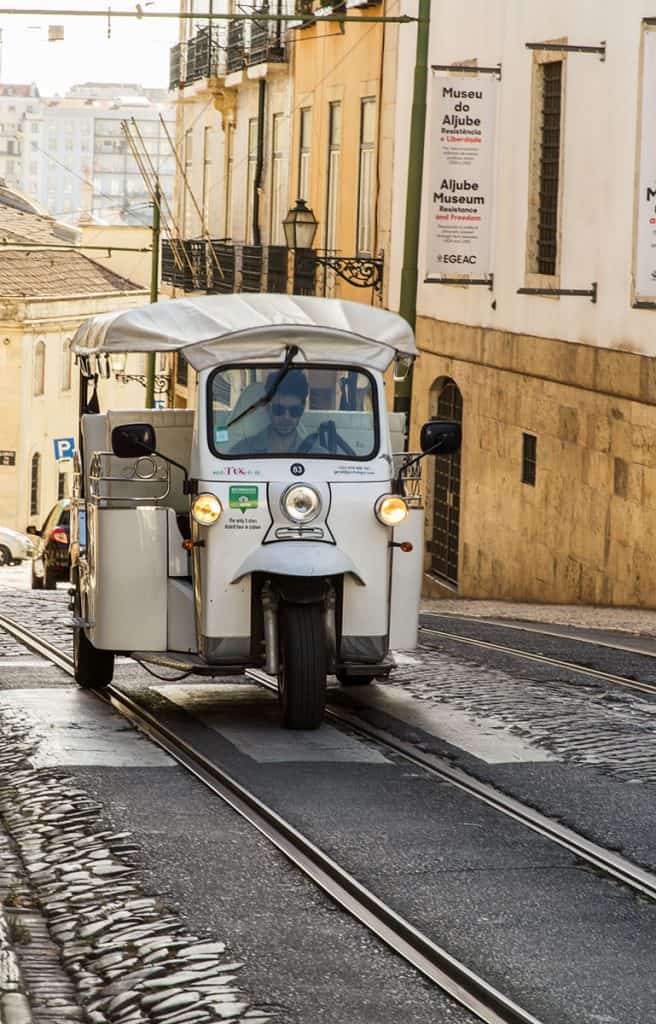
point(337, 126)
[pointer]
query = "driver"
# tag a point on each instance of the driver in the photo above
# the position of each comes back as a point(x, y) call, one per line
point(285, 410)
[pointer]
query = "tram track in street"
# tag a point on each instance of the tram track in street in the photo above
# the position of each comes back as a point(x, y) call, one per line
point(454, 978)
point(626, 683)
point(435, 963)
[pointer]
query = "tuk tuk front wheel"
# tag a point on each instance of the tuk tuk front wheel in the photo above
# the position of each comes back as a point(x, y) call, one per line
point(93, 668)
point(302, 679)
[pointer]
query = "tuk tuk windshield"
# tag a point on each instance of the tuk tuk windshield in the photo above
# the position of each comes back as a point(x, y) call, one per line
point(319, 411)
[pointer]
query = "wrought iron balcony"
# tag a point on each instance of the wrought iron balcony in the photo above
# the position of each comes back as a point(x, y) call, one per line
point(267, 37)
point(223, 267)
point(176, 69)
point(202, 56)
point(236, 47)
point(184, 263)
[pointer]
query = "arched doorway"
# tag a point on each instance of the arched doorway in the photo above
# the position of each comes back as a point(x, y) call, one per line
point(445, 534)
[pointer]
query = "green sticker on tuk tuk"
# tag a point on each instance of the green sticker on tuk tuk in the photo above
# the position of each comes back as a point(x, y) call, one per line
point(244, 496)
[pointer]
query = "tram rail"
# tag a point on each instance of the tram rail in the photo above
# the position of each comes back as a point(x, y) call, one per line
point(454, 978)
point(431, 960)
point(606, 861)
point(570, 666)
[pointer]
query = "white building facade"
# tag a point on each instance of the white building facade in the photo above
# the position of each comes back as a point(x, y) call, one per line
point(15, 101)
point(77, 162)
point(537, 296)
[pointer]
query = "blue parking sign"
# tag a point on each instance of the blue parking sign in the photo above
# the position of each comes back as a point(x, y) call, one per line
point(64, 447)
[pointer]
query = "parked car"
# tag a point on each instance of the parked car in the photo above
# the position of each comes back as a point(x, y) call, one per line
point(15, 546)
point(51, 562)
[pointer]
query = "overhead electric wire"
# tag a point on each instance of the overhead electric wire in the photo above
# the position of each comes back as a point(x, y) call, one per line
point(167, 217)
point(139, 14)
point(203, 224)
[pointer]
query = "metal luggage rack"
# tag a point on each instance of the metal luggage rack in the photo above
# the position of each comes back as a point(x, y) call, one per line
point(144, 470)
point(408, 474)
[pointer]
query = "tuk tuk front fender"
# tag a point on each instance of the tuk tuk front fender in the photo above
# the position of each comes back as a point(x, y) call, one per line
point(298, 558)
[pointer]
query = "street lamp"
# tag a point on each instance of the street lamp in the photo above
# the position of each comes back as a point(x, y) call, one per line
point(300, 226)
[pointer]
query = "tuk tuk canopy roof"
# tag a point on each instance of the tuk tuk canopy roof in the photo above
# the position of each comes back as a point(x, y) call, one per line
point(211, 329)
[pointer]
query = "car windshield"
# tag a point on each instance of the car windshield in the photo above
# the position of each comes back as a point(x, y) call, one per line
point(318, 411)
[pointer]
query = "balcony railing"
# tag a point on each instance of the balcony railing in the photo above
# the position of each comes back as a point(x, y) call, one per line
point(202, 56)
point(224, 267)
point(236, 52)
point(267, 37)
point(219, 265)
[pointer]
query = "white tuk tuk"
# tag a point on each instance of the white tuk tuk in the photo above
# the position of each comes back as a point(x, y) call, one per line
point(271, 527)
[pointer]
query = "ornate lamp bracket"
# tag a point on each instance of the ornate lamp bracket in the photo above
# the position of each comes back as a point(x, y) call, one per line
point(161, 380)
point(360, 271)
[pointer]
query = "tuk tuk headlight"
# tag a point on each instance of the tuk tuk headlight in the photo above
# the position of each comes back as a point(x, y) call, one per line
point(390, 510)
point(301, 503)
point(206, 509)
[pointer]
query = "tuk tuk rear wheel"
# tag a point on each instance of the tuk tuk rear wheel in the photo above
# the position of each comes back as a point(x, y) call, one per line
point(93, 668)
point(302, 680)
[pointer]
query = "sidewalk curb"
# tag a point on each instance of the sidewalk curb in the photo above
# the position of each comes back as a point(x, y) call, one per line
point(14, 1004)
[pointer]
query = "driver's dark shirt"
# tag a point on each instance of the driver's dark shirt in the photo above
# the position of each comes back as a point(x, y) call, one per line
point(259, 444)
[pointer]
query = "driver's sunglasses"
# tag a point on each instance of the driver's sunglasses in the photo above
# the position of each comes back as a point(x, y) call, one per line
point(295, 410)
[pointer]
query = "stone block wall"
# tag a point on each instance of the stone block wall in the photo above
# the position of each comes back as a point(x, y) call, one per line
point(586, 532)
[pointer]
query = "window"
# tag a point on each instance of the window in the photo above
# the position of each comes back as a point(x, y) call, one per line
point(39, 367)
point(208, 139)
point(62, 486)
point(188, 157)
point(322, 412)
point(366, 175)
point(276, 231)
point(543, 224)
point(529, 459)
point(181, 371)
point(66, 367)
point(34, 484)
point(332, 184)
point(304, 141)
point(250, 177)
point(229, 161)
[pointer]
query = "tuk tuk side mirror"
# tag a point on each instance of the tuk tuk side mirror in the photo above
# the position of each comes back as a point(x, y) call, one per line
point(440, 437)
point(33, 531)
point(133, 440)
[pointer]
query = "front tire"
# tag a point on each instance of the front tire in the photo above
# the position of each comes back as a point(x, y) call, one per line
point(49, 580)
point(37, 581)
point(5, 555)
point(302, 681)
point(93, 668)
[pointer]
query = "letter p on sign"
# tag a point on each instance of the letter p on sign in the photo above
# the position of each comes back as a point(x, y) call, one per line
point(64, 447)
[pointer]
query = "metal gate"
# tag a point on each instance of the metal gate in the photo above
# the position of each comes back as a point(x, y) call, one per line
point(443, 545)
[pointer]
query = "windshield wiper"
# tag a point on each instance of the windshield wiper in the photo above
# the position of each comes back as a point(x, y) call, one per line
point(290, 353)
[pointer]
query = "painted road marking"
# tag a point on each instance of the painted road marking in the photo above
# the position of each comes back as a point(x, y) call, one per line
point(490, 740)
point(75, 730)
point(262, 738)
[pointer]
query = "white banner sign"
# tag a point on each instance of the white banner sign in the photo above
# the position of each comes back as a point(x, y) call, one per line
point(645, 256)
point(461, 177)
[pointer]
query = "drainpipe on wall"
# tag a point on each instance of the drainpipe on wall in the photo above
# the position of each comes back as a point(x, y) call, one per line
point(257, 184)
